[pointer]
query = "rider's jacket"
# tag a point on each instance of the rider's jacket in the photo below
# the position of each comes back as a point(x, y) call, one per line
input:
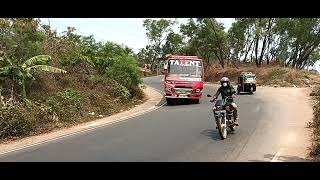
point(225, 91)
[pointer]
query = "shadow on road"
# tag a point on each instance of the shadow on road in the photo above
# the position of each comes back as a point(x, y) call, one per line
point(245, 94)
point(214, 134)
point(180, 102)
point(282, 159)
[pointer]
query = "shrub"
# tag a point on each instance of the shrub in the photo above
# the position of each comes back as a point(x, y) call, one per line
point(24, 119)
point(315, 150)
point(120, 91)
point(125, 71)
point(67, 104)
point(138, 93)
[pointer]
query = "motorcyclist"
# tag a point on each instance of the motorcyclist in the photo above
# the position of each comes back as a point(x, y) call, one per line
point(226, 90)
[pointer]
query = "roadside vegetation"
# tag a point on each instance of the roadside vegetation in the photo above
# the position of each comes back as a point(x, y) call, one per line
point(50, 80)
point(315, 148)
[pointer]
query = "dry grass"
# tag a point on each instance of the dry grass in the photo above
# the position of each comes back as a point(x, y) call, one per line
point(267, 75)
point(315, 149)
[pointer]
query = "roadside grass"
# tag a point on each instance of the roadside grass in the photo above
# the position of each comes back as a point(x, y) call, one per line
point(266, 75)
point(315, 148)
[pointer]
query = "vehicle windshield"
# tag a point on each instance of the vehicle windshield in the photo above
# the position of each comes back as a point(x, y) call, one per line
point(249, 78)
point(185, 68)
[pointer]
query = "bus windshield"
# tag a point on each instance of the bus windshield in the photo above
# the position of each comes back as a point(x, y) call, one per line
point(185, 68)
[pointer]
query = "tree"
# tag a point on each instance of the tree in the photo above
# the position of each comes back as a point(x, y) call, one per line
point(157, 32)
point(237, 40)
point(173, 45)
point(207, 39)
point(125, 71)
point(21, 38)
point(24, 71)
point(302, 36)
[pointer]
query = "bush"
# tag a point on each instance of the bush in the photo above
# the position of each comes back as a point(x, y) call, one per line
point(125, 71)
point(315, 150)
point(71, 96)
point(277, 73)
point(24, 119)
point(138, 93)
point(120, 91)
point(15, 121)
point(67, 104)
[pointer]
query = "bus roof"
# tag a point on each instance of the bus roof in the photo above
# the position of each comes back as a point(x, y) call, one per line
point(183, 57)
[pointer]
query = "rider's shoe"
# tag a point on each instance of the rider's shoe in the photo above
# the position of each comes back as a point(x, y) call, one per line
point(236, 122)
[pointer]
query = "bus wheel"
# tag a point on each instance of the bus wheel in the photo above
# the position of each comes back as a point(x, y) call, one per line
point(170, 101)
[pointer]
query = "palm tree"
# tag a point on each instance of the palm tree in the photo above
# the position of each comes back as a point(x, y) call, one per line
point(25, 70)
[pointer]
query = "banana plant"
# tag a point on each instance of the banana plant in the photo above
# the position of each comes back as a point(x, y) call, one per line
point(24, 71)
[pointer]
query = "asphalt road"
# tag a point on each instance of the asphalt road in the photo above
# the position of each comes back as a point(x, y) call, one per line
point(173, 133)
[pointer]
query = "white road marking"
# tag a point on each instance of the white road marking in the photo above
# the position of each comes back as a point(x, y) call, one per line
point(276, 157)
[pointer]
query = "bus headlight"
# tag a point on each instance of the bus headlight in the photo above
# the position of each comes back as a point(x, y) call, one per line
point(198, 90)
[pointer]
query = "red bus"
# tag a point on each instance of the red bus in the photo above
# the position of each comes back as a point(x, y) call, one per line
point(184, 78)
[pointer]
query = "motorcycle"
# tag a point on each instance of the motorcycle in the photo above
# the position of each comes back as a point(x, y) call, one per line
point(223, 114)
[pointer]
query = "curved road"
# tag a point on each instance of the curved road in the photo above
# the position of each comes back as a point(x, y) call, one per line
point(181, 133)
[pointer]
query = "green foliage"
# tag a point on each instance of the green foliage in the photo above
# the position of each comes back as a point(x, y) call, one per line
point(106, 54)
point(66, 98)
point(23, 71)
point(120, 91)
point(125, 71)
point(157, 32)
point(174, 44)
point(66, 104)
point(24, 119)
point(70, 96)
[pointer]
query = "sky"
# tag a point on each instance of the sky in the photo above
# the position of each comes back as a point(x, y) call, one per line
point(127, 31)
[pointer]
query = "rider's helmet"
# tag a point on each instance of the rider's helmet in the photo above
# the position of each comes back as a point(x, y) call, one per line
point(225, 82)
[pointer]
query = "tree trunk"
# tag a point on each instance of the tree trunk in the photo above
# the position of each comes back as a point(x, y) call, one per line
point(293, 57)
point(251, 58)
point(247, 52)
point(264, 41)
point(257, 45)
point(305, 56)
point(256, 52)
